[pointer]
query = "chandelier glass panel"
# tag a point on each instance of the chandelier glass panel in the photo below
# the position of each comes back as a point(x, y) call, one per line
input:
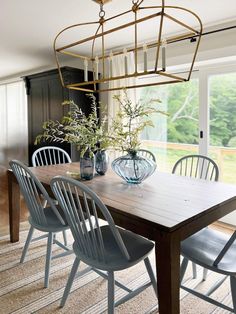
point(154, 34)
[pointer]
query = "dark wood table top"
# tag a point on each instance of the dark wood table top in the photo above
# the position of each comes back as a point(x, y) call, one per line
point(164, 200)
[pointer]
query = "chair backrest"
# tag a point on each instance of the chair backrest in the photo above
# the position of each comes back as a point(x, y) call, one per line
point(147, 154)
point(81, 207)
point(50, 155)
point(34, 193)
point(197, 166)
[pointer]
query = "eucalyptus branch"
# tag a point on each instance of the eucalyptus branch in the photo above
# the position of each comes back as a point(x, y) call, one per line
point(129, 121)
point(77, 128)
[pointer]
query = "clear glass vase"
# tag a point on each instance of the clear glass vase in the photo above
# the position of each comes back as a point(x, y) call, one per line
point(101, 162)
point(87, 166)
point(133, 168)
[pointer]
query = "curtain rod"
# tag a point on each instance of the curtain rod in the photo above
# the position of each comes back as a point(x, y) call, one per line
point(193, 38)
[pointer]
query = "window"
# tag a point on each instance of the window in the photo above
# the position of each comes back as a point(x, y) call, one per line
point(222, 100)
point(175, 135)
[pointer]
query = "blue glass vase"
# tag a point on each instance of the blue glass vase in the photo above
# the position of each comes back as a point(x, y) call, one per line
point(101, 162)
point(133, 168)
point(87, 166)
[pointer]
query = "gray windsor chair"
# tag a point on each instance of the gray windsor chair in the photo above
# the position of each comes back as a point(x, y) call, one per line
point(147, 154)
point(47, 219)
point(50, 155)
point(104, 248)
point(200, 167)
point(215, 251)
point(197, 166)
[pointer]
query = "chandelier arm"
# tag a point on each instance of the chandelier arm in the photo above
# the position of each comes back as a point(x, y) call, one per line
point(194, 58)
point(160, 33)
point(59, 68)
point(172, 76)
point(117, 53)
point(55, 50)
point(74, 25)
point(99, 26)
point(94, 84)
point(178, 8)
point(199, 38)
point(103, 53)
point(181, 37)
point(198, 42)
point(199, 33)
point(109, 31)
point(122, 77)
point(82, 89)
point(72, 54)
point(140, 2)
point(132, 86)
point(136, 44)
point(65, 29)
point(180, 23)
point(118, 15)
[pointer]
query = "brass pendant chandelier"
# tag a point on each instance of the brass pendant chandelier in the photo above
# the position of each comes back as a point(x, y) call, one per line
point(128, 32)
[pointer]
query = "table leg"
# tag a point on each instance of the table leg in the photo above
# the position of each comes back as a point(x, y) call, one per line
point(168, 273)
point(14, 207)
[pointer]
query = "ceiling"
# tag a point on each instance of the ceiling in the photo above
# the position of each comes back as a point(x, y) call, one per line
point(28, 28)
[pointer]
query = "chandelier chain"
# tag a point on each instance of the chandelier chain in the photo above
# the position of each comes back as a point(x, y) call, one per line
point(137, 2)
point(102, 12)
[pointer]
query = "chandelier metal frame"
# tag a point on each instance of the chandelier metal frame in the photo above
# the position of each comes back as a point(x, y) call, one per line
point(102, 74)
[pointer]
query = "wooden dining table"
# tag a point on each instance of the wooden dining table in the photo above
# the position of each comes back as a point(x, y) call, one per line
point(165, 208)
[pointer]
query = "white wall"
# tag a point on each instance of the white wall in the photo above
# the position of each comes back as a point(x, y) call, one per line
point(13, 123)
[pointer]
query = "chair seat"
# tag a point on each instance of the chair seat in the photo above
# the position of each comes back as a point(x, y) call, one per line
point(203, 248)
point(137, 247)
point(53, 222)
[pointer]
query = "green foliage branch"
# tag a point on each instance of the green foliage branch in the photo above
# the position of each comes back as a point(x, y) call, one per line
point(86, 132)
point(90, 134)
point(130, 121)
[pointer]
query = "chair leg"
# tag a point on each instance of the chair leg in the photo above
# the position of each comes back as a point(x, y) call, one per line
point(183, 268)
point(111, 292)
point(194, 267)
point(54, 238)
point(205, 270)
point(65, 237)
point(70, 281)
point(48, 259)
point(233, 291)
point(151, 274)
point(27, 243)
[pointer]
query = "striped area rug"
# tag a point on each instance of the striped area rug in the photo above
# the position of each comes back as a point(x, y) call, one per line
point(22, 292)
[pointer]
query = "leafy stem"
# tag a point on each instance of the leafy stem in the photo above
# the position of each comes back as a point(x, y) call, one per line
point(86, 132)
point(130, 121)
